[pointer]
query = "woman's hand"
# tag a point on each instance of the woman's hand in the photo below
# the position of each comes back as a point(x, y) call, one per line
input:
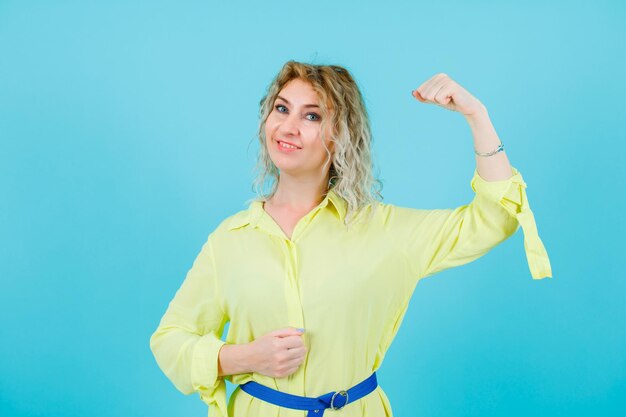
point(278, 353)
point(445, 92)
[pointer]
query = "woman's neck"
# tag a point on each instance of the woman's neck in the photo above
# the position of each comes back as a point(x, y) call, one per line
point(298, 194)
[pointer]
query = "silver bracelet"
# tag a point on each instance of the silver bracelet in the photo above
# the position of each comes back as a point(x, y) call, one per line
point(500, 148)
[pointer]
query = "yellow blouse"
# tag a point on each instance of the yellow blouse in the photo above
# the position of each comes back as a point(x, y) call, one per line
point(349, 288)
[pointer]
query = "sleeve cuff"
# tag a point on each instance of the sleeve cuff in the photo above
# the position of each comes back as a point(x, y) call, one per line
point(511, 195)
point(204, 372)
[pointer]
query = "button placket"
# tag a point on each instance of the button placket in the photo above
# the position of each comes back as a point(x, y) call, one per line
point(294, 302)
point(294, 295)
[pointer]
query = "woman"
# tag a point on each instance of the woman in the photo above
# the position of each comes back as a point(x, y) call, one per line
point(320, 252)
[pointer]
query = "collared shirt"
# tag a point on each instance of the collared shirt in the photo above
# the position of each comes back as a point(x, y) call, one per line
point(348, 287)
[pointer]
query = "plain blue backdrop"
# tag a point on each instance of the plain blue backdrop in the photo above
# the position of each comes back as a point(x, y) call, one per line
point(127, 133)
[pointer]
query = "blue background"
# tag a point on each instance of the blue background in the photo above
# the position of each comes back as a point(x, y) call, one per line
point(127, 133)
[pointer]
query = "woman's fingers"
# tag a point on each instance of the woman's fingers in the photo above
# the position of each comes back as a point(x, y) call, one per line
point(447, 93)
point(418, 96)
point(433, 86)
point(428, 89)
point(423, 89)
point(443, 96)
point(296, 353)
point(291, 342)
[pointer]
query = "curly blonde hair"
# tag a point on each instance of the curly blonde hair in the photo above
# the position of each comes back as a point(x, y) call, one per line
point(341, 105)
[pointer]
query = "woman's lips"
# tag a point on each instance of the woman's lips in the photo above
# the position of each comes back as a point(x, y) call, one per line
point(285, 149)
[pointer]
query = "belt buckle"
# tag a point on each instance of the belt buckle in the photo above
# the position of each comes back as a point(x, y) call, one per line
point(342, 392)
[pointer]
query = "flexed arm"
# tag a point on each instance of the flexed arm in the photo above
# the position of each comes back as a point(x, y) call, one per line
point(447, 93)
point(444, 238)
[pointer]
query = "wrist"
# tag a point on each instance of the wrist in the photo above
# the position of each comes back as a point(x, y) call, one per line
point(477, 116)
point(235, 359)
point(246, 357)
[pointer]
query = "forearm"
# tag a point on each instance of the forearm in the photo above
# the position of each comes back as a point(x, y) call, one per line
point(491, 168)
point(234, 359)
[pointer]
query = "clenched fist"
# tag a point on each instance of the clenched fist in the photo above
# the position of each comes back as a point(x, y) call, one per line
point(447, 93)
point(278, 353)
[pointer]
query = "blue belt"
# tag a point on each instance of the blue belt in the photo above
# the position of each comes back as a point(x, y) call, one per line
point(316, 406)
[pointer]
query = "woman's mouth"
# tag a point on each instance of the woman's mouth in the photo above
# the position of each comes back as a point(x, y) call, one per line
point(284, 147)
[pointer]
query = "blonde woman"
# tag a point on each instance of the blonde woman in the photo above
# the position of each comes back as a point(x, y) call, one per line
point(315, 276)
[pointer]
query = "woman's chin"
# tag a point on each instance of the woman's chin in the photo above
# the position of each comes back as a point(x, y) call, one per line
point(291, 169)
point(285, 161)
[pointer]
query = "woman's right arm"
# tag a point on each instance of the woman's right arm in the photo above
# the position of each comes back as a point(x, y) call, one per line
point(234, 359)
point(276, 354)
point(187, 341)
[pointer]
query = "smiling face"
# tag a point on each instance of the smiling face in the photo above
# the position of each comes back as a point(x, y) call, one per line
point(296, 119)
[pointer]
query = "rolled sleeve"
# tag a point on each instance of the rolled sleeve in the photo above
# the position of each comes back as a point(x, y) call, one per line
point(511, 195)
point(204, 370)
point(187, 342)
point(438, 239)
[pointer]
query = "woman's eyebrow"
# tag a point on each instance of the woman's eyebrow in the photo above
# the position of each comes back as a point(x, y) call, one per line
point(306, 105)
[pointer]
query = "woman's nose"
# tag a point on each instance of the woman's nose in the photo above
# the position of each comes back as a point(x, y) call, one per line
point(290, 124)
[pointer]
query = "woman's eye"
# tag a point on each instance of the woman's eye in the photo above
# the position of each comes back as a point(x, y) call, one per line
point(316, 117)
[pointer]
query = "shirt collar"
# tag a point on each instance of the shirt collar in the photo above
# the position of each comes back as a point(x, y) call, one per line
point(255, 210)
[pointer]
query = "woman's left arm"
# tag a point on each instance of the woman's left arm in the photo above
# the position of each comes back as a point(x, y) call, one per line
point(445, 92)
point(456, 236)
